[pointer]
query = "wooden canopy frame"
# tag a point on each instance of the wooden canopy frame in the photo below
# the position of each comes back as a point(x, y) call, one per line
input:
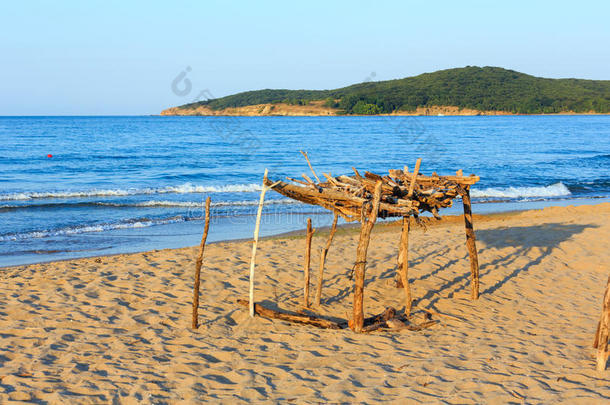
point(365, 198)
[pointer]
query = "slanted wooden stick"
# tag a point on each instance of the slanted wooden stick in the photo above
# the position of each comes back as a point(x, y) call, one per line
point(403, 264)
point(310, 168)
point(360, 266)
point(471, 245)
point(306, 268)
point(255, 241)
point(414, 177)
point(323, 253)
point(195, 315)
point(603, 327)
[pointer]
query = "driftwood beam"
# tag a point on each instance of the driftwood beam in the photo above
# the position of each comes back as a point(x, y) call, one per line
point(335, 200)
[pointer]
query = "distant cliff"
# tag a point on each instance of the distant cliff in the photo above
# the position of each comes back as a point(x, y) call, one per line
point(461, 91)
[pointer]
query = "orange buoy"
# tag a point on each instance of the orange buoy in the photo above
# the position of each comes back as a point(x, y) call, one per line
point(49, 155)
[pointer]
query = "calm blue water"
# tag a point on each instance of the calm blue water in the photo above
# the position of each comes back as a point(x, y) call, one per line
point(121, 184)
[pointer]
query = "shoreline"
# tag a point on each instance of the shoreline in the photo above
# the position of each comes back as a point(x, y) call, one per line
point(488, 211)
point(88, 330)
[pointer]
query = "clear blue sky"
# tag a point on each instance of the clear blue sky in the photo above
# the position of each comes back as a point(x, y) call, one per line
point(120, 57)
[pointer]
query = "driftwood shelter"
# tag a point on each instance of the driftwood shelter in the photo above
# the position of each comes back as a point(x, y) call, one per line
point(365, 197)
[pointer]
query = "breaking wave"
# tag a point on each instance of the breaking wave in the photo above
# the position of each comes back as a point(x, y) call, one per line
point(145, 204)
point(73, 230)
point(186, 188)
point(554, 190)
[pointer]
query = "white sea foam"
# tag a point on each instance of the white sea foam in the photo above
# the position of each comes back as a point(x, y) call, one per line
point(157, 203)
point(181, 189)
point(73, 230)
point(554, 190)
point(150, 203)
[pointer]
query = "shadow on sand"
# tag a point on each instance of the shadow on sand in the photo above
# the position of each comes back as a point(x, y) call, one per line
point(544, 238)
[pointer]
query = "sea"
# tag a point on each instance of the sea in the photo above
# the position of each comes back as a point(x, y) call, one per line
point(87, 186)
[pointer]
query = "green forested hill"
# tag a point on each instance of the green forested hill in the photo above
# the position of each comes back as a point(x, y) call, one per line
point(486, 88)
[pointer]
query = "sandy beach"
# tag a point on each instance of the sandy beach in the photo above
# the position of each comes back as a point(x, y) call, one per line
point(116, 329)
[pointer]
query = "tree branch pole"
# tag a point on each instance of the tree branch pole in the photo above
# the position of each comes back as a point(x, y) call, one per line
point(471, 244)
point(195, 317)
point(307, 266)
point(323, 253)
point(255, 242)
point(360, 266)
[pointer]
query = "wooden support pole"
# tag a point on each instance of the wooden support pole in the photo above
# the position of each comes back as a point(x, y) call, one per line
point(323, 253)
point(360, 266)
point(206, 227)
point(255, 242)
point(307, 266)
point(471, 245)
point(603, 327)
point(403, 264)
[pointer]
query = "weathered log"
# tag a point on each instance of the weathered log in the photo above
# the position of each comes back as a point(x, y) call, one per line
point(471, 245)
point(198, 264)
point(323, 253)
point(306, 272)
point(360, 266)
point(284, 316)
point(603, 330)
point(403, 264)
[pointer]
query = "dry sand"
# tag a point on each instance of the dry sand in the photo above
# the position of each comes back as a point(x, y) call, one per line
point(116, 329)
